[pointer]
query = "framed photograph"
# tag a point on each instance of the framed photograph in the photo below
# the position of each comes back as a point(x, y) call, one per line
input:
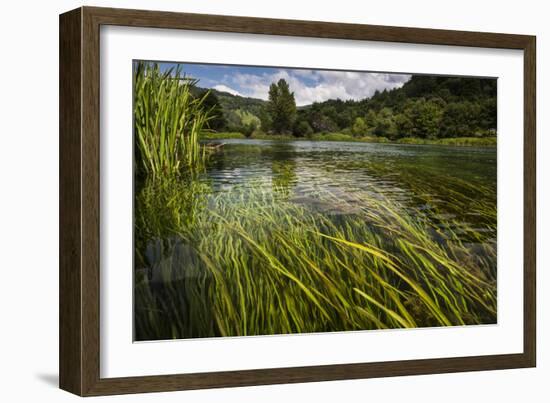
point(249, 201)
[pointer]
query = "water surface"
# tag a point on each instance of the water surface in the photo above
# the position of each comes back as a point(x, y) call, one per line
point(282, 237)
point(441, 181)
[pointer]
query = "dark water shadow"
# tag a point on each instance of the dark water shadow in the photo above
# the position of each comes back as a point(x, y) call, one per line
point(49, 379)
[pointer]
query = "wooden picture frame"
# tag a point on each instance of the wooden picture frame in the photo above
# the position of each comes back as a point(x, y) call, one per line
point(79, 347)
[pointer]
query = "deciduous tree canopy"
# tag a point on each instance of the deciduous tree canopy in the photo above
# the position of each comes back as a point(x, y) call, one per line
point(281, 107)
point(426, 107)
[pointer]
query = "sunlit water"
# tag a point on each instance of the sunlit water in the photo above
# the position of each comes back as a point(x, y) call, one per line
point(440, 181)
point(431, 209)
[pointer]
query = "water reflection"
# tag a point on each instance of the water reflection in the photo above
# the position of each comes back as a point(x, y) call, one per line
point(443, 182)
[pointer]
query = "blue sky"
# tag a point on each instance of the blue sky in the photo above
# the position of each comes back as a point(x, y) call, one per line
point(308, 85)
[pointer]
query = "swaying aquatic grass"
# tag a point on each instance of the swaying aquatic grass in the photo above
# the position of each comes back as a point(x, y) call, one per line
point(168, 120)
point(250, 262)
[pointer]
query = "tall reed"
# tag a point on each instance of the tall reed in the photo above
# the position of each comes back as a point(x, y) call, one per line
point(168, 119)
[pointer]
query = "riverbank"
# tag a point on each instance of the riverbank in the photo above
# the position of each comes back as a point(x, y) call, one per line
point(455, 141)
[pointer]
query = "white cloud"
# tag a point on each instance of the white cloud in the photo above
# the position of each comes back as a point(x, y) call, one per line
point(317, 86)
point(225, 88)
point(306, 74)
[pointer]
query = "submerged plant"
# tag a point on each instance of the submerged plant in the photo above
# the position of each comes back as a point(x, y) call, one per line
point(256, 262)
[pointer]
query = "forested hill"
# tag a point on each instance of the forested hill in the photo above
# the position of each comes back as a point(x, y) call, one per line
point(424, 107)
point(232, 102)
point(234, 112)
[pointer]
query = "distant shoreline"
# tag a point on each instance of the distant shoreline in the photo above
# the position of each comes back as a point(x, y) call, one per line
point(452, 141)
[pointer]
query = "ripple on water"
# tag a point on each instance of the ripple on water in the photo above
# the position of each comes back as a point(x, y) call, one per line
point(431, 179)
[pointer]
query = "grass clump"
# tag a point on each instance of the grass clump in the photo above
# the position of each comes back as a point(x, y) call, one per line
point(168, 119)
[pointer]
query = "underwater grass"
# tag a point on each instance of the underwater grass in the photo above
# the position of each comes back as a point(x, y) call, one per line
point(255, 260)
point(251, 262)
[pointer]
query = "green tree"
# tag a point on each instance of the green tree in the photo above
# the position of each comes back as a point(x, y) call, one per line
point(281, 107)
point(211, 103)
point(249, 128)
point(385, 124)
point(321, 123)
point(403, 125)
point(457, 120)
point(360, 127)
point(265, 120)
point(302, 128)
point(426, 117)
point(233, 121)
point(370, 119)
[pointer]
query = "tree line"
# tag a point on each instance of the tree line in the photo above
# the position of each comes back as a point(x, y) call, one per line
point(428, 107)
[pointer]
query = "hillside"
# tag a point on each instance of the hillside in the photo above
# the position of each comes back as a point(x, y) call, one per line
point(233, 112)
point(230, 102)
point(424, 107)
